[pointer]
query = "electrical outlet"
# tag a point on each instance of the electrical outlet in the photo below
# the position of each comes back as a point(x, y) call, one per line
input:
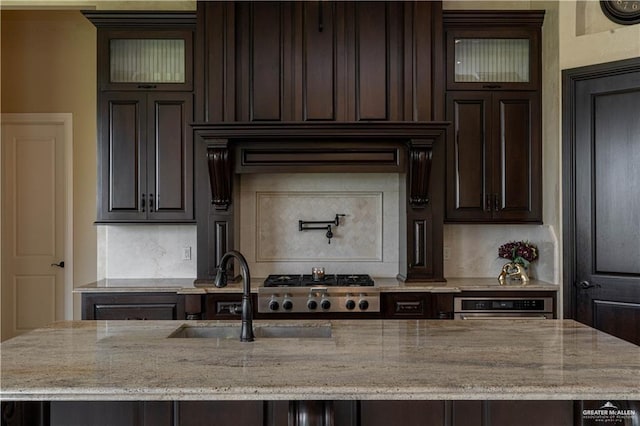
point(446, 253)
point(186, 253)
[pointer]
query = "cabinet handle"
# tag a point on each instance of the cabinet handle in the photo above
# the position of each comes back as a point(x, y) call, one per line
point(143, 203)
point(496, 202)
point(151, 202)
point(147, 86)
point(487, 203)
point(492, 86)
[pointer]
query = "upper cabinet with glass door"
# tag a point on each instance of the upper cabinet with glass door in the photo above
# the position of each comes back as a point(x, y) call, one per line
point(492, 57)
point(144, 50)
point(145, 59)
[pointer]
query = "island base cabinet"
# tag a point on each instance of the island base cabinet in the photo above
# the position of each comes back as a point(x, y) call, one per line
point(314, 413)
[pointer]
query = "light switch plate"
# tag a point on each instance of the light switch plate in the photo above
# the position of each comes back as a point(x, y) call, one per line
point(186, 253)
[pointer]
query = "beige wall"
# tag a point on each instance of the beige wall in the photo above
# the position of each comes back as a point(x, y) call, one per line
point(49, 66)
point(587, 37)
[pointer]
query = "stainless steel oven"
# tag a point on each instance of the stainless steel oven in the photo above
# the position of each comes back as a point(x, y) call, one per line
point(504, 308)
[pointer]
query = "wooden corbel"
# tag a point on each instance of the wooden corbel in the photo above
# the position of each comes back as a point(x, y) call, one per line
point(420, 156)
point(220, 174)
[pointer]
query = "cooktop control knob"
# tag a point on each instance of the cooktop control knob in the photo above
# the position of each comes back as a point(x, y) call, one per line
point(312, 304)
point(325, 304)
point(350, 305)
point(274, 305)
point(363, 305)
point(287, 305)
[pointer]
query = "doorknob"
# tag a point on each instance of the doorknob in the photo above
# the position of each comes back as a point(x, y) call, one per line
point(59, 264)
point(587, 285)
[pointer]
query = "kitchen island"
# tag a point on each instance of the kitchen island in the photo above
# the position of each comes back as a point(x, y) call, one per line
point(402, 360)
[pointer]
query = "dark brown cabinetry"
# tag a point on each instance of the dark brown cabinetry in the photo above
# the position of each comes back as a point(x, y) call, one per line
point(494, 151)
point(133, 306)
point(146, 156)
point(417, 305)
point(494, 169)
point(145, 106)
point(157, 58)
point(316, 61)
point(272, 413)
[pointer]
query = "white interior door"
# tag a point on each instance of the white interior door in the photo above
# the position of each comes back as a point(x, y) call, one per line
point(36, 225)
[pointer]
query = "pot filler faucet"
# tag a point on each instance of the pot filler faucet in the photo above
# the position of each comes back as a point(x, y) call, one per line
point(246, 332)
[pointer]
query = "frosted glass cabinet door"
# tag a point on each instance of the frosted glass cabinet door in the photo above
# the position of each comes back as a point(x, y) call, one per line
point(487, 60)
point(145, 60)
point(482, 60)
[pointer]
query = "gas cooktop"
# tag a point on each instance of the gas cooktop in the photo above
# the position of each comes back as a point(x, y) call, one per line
point(335, 280)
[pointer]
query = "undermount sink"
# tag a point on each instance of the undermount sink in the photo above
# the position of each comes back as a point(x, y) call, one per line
point(261, 332)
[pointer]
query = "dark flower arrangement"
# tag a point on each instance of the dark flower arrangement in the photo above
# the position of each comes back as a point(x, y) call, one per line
point(522, 252)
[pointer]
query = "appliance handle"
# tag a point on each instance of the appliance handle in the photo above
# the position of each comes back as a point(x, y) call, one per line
point(500, 317)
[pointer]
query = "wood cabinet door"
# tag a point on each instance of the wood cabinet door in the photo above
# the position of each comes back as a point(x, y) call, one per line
point(406, 413)
point(146, 59)
point(494, 154)
point(122, 156)
point(145, 164)
point(169, 189)
point(132, 306)
point(469, 191)
point(516, 157)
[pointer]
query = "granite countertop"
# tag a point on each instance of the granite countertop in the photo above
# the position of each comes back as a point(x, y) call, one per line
point(388, 285)
point(374, 359)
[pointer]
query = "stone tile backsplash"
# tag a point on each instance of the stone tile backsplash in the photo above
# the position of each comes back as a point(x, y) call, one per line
point(473, 250)
point(146, 251)
point(367, 240)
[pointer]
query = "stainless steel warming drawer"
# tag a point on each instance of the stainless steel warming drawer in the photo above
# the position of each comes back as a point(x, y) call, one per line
point(470, 308)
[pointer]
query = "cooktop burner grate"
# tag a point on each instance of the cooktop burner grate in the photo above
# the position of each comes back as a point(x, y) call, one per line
point(335, 280)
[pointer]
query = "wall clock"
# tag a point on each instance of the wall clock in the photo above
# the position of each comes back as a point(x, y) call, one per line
point(626, 12)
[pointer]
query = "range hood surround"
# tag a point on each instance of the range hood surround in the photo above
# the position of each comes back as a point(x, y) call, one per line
point(413, 149)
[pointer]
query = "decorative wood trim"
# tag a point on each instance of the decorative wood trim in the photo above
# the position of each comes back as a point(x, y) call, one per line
point(420, 158)
point(343, 147)
point(321, 156)
point(511, 18)
point(221, 239)
point(219, 163)
point(141, 19)
point(370, 132)
point(419, 244)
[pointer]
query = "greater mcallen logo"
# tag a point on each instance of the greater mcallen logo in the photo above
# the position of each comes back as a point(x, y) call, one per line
point(609, 413)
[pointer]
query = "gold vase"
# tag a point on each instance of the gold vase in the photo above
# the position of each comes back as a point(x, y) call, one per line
point(513, 272)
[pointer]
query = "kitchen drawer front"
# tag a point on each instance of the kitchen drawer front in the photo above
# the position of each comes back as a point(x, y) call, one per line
point(406, 305)
point(132, 306)
point(417, 305)
point(163, 311)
